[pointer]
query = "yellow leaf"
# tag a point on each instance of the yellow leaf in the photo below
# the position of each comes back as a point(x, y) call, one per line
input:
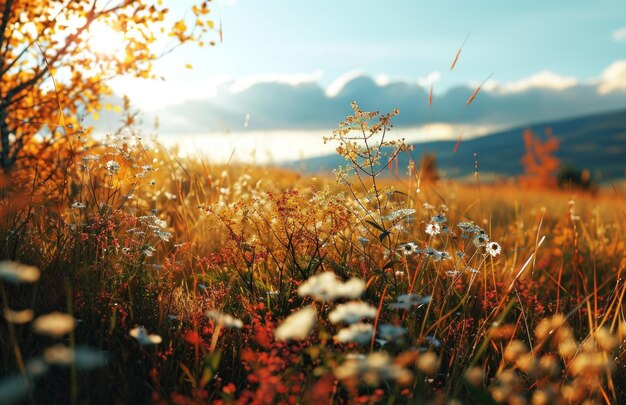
point(189, 66)
point(96, 116)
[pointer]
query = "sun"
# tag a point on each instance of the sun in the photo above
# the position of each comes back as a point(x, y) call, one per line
point(104, 40)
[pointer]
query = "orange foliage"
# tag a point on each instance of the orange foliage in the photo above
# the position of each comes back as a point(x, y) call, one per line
point(540, 164)
point(51, 71)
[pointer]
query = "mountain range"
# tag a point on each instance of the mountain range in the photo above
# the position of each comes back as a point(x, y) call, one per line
point(594, 142)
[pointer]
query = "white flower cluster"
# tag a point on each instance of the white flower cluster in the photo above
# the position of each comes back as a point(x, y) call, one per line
point(372, 369)
point(224, 320)
point(327, 287)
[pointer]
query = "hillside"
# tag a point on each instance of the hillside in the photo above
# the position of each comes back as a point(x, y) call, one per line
point(595, 142)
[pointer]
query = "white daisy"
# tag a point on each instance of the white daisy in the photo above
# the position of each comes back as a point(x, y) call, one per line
point(480, 239)
point(408, 248)
point(433, 228)
point(494, 249)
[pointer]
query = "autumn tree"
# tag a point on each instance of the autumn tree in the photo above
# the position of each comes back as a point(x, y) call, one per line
point(53, 69)
point(540, 164)
point(428, 168)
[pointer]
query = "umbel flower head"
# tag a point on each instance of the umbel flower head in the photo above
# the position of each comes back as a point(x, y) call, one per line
point(327, 287)
point(225, 320)
point(16, 273)
point(357, 332)
point(373, 369)
point(352, 312)
point(297, 325)
point(54, 324)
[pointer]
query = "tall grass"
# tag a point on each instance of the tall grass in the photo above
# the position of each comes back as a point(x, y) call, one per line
point(178, 273)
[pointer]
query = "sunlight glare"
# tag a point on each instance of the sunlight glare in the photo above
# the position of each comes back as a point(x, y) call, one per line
point(106, 41)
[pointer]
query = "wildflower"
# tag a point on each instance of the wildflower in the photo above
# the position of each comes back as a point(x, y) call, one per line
point(327, 287)
point(480, 240)
point(493, 248)
point(409, 248)
point(152, 182)
point(399, 214)
point(113, 167)
point(438, 219)
point(59, 355)
point(466, 226)
point(352, 312)
point(141, 334)
point(433, 341)
point(478, 230)
point(363, 240)
point(514, 350)
point(452, 273)
point(606, 341)
point(18, 317)
point(428, 363)
point(78, 205)
point(443, 255)
point(225, 320)
point(55, 324)
point(433, 228)
point(35, 368)
point(372, 369)
point(297, 325)
point(390, 332)
point(163, 235)
point(148, 251)
point(408, 301)
point(357, 332)
point(475, 376)
point(17, 273)
point(434, 254)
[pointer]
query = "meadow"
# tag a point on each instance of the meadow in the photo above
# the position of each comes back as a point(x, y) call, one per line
point(132, 276)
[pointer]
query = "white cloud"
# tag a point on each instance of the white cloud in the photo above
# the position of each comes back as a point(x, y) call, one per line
point(291, 79)
point(150, 95)
point(382, 80)
point(430, 79)
point(541, 80)
point(338, 84)
point(613, 78)
point(619, 34)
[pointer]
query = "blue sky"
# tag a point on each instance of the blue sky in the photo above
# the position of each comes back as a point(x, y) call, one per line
point(281, 61)
point(406, 39)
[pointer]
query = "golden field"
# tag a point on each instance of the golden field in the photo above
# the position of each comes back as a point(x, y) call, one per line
point(180, 281)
